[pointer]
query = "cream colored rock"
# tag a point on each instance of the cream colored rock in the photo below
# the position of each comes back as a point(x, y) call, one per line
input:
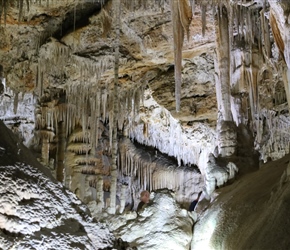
point(167, 226)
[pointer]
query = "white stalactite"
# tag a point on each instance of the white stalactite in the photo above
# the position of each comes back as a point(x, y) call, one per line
point(155, 172)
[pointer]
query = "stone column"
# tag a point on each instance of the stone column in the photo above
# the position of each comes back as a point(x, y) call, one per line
point(114, 128)
point(226, 128)
point(223, 62)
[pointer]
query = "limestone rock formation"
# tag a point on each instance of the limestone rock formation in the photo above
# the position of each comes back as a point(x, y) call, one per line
point(250, 214)
point(162, 224)
point(144, 168)
point(36, 211)
point(112, 100)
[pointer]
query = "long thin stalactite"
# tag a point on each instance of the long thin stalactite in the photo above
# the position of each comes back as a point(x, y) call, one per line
point(181, 19)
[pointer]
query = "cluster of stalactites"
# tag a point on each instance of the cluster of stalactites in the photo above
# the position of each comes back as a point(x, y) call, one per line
point(277, 144)
point(145, 5)
point(152, 172)
point(250, 26)
point(24, 5)
point(20, 4)
point(91, 103)
point(53, 57)
point(242, 14)
point(47, 118)
point(166, 134)
point(88, 100)
point(251, 39)
point(249, 33)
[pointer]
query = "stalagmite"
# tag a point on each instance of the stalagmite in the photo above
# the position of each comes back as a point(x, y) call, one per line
point(123, 198)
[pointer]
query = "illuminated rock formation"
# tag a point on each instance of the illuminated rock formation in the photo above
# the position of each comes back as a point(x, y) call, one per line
point(113, 100)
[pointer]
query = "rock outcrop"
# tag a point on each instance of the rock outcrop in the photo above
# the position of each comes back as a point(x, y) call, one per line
point(162, 224)
point(36, 211)
point(249, 214)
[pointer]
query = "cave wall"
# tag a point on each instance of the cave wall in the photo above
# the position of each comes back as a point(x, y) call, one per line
point(64, 57)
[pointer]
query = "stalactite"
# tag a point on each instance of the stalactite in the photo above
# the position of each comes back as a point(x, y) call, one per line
point(203, 16)
point(104, 103)
point(5, 11)
point(178, 36)
point(20, 6)
point(4, 4)
point(74, 20)
point(111, 117)
point(249, 27)
point(235, 21)
point(277, 35)
point(265, 33)
point(131, 167)
point(1, 10)
point(28, 4)
point(192, 4)
point(181, 19)
point(185, 15)
point(98, 115)
point(242, 21)
point(150, 171)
